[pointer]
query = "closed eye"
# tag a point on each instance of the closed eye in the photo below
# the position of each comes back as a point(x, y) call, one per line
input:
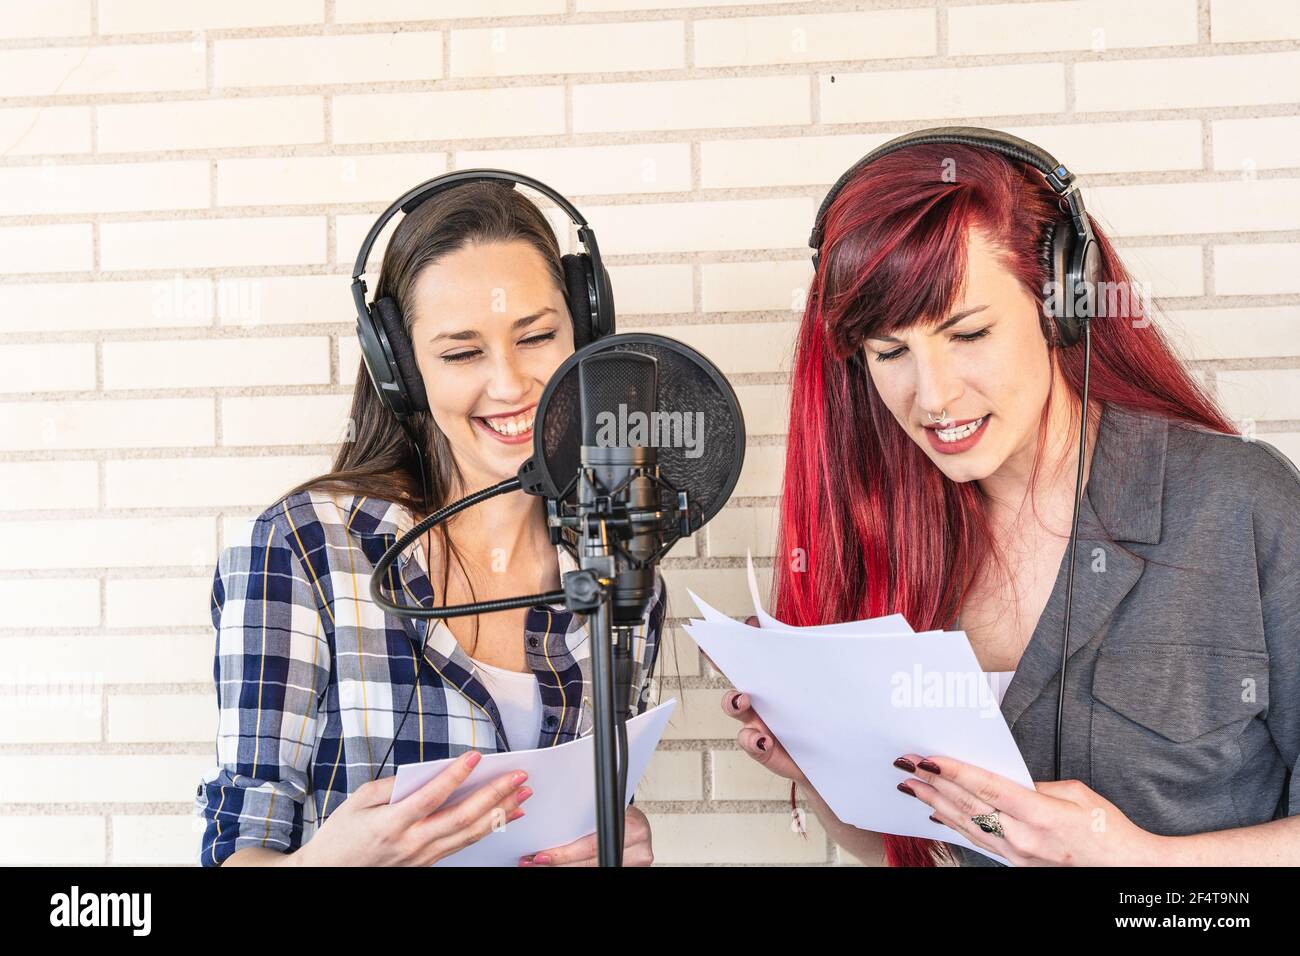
point(468, 354)
point(962, 336)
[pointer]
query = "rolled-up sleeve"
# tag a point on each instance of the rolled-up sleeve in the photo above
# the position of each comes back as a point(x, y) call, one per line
point(272, 663)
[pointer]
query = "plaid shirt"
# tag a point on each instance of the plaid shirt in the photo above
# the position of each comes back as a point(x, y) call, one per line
point(312, 676)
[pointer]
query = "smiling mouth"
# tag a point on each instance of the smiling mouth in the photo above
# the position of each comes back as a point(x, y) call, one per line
point(513, 425)
point(957, 431)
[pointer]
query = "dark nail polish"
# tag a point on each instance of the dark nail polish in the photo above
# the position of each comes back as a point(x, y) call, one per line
point(929, 766)
point(735, 702)
point(761, 744)
point(935, 819)
point(902, 763)
point(906, 788)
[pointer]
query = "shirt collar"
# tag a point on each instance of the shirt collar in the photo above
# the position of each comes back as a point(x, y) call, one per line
point(1127, 476)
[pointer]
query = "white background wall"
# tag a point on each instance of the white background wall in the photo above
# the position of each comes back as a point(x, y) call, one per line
point(183, 187)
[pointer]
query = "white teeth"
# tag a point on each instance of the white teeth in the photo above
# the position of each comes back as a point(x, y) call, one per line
point(516, 425)
point(963, 431)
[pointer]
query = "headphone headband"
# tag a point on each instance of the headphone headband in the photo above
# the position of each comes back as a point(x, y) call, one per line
point(1058, 177)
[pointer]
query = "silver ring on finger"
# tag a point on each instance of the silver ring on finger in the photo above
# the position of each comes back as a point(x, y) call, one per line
point(989, 823)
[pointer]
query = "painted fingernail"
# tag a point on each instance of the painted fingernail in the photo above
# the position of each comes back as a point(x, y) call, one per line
point(761, 744)
point(935, 819)
point(735, 702)
point(522, 794)
point(472, 758)
point(902, 763)
point(907, 788)
point(929, 766)
point(519, 777)
point(541, 859)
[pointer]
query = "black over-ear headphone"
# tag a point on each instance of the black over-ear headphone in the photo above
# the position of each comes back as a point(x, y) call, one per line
point(385, 347)
point(1074, 257)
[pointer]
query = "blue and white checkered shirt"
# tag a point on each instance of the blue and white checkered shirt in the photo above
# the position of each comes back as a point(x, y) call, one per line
point(312, 676)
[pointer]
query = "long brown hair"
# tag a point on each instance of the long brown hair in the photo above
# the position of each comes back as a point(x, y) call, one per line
point(378, 457)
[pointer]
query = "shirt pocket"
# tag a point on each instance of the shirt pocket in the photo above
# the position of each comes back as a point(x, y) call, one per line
point(1166, 725)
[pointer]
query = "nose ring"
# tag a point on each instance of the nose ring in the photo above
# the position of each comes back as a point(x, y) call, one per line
point(943, 417)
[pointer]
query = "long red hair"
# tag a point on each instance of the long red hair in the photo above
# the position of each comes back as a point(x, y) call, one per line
point(869, 526)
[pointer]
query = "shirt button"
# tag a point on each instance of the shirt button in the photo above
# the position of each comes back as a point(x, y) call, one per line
point(551, 721)
point(532, 642)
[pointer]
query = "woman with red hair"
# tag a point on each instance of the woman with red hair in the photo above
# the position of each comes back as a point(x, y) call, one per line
point(934, 447)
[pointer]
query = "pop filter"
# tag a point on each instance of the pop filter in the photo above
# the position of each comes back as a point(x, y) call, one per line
point(698, 427)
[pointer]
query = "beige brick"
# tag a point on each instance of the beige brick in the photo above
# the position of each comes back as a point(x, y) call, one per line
point(756, 286)
point(211, 124)
point(1257, 269)
point(782, 161)
point(378, 11)
point(52, 18)
point(763, 471)
point(679, 657)
point(1096, 25)
point(196, 363)
point(726, 589)
point(64, 306)
point(1286, 442)
point(1187, 82)
point(156, 840)
point(51, 840)
point(349, 360)
point(128, 423)
point(1260, 394)
point(586, 5)
point(159, 602)
point(811, 38)
point(955, 92)
point(1235, 333)
point(701, 226)
point(699, 716)
point(109, 542)
point(324, 61)
point(48, 602)
point(285, 300)
point(691, 104)
point(1164, 208)
point(45, 714)
point(212, 243)
point(63, 248)
point(38, 485)
point(31, 130)
point(654, 289)
point(449, 115)
point(580, 48)
point(162, 16)
point(47, 368)
point(1169, 271)
point(198, 482)
point(1263, 142)
point(766, 408)
point(741, 347)
point(673, 775)
point(594, 170)
point(86, 778)
point(133, 718)
point(134, 659)
point(321, 179)
point(74, 70)
point(65, 189)
point(1120, 147)
point(738, 776)
point(1240, 21)
point(737, 530)
point(737, 838)
point(284, 420)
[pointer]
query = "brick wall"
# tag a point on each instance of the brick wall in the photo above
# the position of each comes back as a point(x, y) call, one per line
point(183, 187)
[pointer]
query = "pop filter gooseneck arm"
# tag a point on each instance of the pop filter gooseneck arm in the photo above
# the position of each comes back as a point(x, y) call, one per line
point(454, 610)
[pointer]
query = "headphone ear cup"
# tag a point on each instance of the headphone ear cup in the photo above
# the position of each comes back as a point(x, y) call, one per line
point(407, 371)
point(1065, 278)
point(577, 292)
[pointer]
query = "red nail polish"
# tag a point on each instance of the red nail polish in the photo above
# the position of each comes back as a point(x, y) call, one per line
point(761, 744)
point(902, 763)
point(936, 819)
point(929, 766)
point(906, 788)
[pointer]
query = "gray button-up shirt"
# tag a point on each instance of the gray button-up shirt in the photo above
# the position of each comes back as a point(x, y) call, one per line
point(1182, 697)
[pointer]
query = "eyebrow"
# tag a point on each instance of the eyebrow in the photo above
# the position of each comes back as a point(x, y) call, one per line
point(470, 334)
point(951, 321)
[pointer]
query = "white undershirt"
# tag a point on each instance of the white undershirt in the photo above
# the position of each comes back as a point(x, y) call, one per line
point(519, 701)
